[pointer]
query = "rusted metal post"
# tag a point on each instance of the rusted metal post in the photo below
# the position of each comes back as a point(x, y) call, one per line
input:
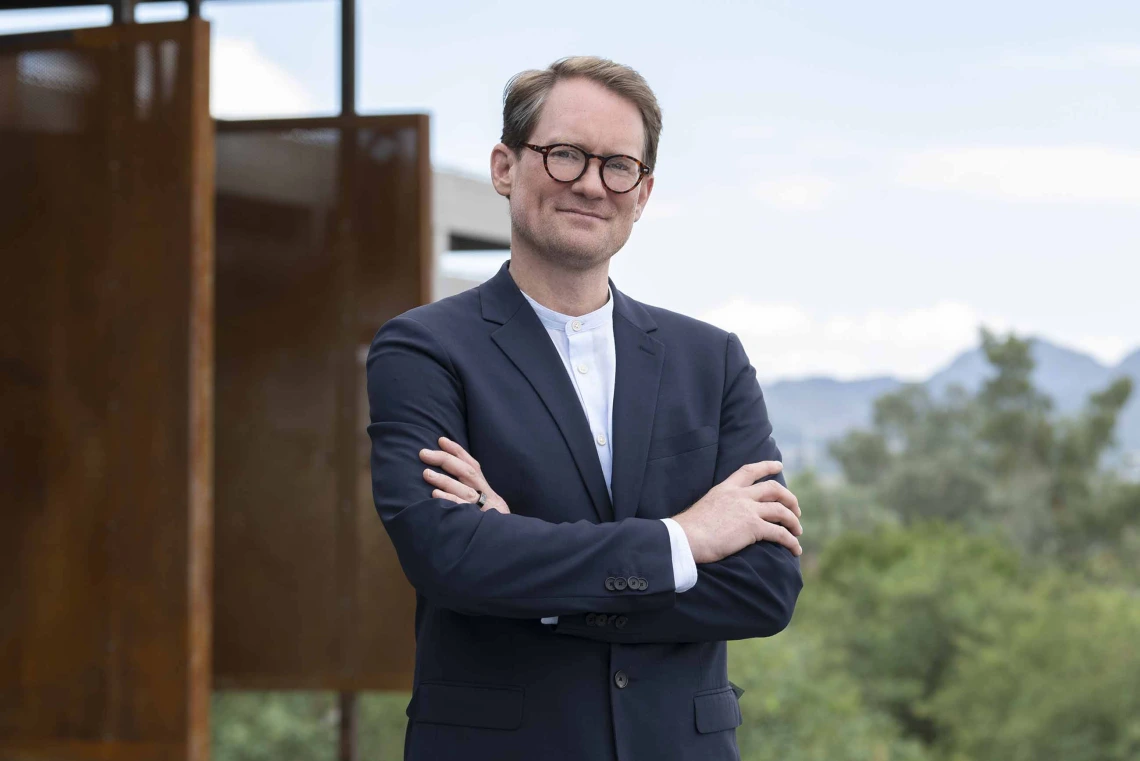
point(347, 57)
point(347, 743)
point(122, 11)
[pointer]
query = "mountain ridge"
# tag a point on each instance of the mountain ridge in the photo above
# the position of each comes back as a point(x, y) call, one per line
point(808, 412)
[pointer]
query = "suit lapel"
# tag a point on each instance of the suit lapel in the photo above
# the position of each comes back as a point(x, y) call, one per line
point(525, 342)
point(640, 358)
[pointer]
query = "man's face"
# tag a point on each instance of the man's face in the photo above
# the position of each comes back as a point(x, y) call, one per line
point(577, 225)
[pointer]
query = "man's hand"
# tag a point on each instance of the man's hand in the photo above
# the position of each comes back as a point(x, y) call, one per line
point(455, 460)
point(739, 512)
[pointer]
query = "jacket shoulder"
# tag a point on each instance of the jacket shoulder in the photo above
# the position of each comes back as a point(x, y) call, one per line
point(441, 317)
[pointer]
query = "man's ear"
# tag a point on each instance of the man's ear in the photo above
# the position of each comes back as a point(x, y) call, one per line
point(643, 191)
point(503, 163)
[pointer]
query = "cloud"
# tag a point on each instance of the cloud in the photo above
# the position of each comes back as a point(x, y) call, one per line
point(795, 193)
point(1097, 56)
point(785, 341)
point(245, 84)
point(770, 320)
point(1084, 174)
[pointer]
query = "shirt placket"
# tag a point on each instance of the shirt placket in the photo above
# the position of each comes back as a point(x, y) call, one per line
point(584, 366)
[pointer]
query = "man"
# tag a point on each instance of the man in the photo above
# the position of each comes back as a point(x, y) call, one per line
point(603, 506)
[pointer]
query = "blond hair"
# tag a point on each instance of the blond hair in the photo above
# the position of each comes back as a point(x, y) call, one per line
point(526, 92)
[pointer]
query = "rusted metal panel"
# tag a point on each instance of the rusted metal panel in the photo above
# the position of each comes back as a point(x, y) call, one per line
point(106, 358)
point(323, 233)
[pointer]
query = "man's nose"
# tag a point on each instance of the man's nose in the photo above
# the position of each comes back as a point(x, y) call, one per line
point(590, 183)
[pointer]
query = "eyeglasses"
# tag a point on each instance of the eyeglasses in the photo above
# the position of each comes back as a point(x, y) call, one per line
point(567, 163)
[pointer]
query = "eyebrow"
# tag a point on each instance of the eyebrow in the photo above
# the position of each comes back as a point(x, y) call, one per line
point(556, 141)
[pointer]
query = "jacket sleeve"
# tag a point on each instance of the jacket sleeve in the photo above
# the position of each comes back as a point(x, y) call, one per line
point(749, 594)
point(487, 563)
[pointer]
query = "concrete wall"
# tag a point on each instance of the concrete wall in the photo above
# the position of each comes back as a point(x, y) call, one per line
point(465, 205)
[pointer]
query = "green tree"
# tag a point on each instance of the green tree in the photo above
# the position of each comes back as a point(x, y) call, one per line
point(899, 608)
point(1054, 674)
point(1000, 459)
point(800, 704)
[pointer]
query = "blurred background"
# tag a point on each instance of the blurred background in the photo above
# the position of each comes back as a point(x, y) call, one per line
point(923, 222)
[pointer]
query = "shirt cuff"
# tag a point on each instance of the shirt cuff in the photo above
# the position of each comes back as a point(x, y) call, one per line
point(684, 566)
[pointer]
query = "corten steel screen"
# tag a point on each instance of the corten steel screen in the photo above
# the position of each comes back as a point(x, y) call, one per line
point(323, 233)
point(106, 155)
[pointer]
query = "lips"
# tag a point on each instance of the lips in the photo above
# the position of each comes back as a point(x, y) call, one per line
point(583, 213)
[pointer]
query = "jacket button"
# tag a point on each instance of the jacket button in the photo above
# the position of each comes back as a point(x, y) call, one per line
point(621, 622)
point(590, 619)
point(601, 619)
point(621, 680)
point(610, 583)
point(633, 582)
point(644, 585)
point(619, 583)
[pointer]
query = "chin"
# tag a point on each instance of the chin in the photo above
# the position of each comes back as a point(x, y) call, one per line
point(576, 258)
point(581, 252)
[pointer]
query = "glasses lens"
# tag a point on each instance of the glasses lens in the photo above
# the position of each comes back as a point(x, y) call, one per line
point(565, 162)
point(621, 174)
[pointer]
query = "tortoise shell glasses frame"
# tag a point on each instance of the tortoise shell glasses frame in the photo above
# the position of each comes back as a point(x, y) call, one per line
point(642, 170)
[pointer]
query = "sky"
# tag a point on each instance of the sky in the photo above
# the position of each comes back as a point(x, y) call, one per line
point(853, 188)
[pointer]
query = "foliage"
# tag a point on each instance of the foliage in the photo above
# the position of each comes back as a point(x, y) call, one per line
point(901, 605)
point(999, 460)
point(800, 703)
point(302, 726)
point(260, 726)
point(1054, 674)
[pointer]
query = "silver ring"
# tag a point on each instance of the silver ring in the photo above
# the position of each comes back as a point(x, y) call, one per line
point(482, 499)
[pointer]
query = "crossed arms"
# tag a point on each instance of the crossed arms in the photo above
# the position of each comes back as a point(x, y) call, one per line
point(504, 564)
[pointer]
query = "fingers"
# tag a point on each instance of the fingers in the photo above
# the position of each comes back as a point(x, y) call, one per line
point(437, 494)
point(460, 469)
point(752, 472)
point(774, 512)
point(774, 491)
point(462, 492)
point(451, 447)
point(468, 478)
point(773, 532)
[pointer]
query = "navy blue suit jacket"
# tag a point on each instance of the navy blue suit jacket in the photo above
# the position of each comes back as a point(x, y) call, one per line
point(633, 670)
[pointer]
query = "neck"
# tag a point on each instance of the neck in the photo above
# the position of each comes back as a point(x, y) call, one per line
point(569, 292)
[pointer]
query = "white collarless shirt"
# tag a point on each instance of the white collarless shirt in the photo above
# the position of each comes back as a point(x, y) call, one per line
point(589, 354)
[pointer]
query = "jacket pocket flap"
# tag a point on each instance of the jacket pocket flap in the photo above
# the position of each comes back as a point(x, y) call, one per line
point(682, 442)
point(465, 705)
point(717, 711)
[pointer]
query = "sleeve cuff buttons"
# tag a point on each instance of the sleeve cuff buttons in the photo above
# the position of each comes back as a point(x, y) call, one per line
point(618, 584)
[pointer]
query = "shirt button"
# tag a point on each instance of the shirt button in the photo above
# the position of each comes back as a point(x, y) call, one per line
point(583, 369)
point(601, 439)
point(576, 325)
point(621, 680)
